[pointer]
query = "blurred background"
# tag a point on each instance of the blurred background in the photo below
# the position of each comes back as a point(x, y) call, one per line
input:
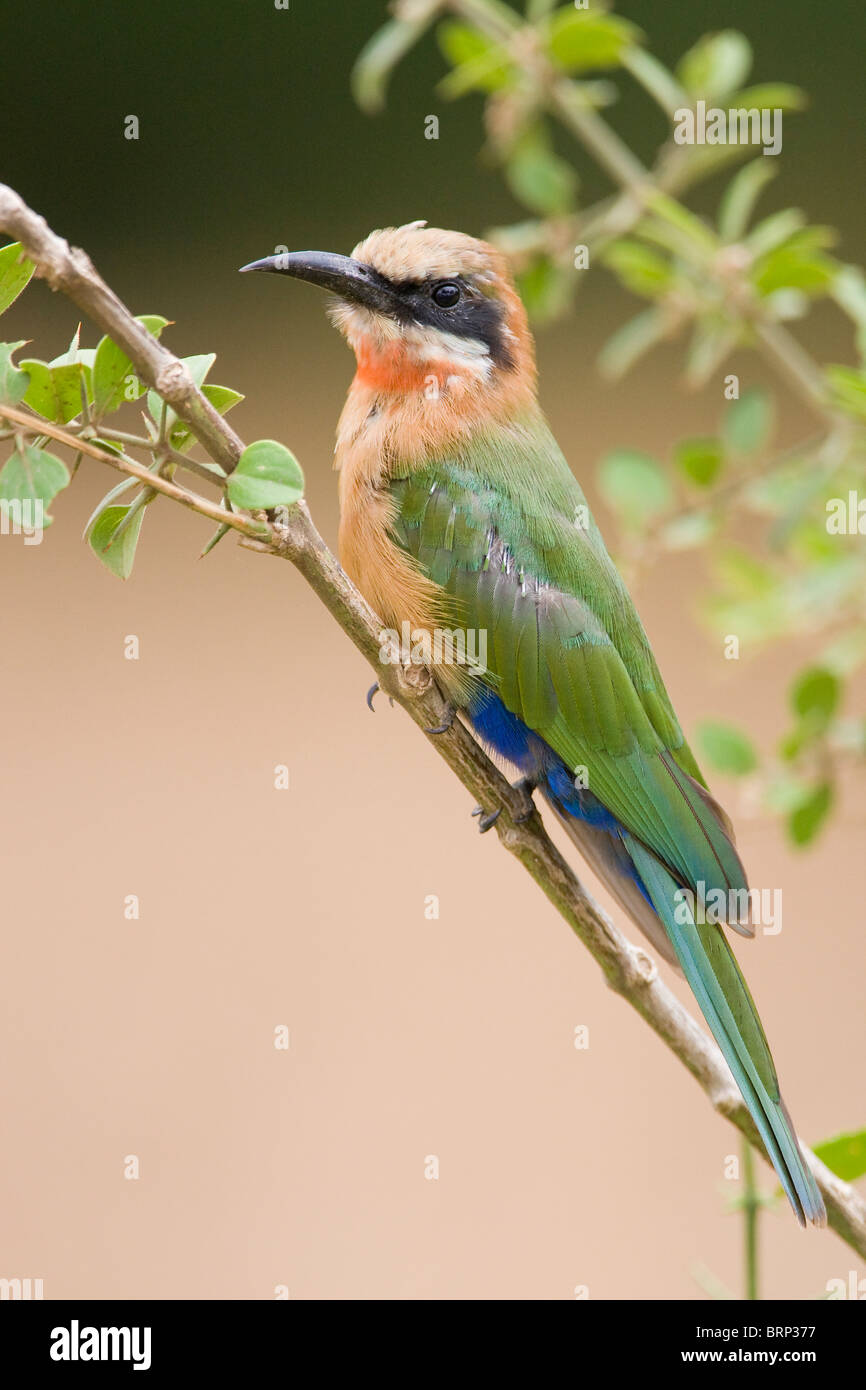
point(409, 1037)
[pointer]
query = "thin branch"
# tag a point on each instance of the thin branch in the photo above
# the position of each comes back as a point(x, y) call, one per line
point(34, 425)
point(627, 969)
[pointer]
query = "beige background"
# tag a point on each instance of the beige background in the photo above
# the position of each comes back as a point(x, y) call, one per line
point(260, 907)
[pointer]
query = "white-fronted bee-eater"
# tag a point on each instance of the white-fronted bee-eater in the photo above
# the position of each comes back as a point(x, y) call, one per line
point(459, 511)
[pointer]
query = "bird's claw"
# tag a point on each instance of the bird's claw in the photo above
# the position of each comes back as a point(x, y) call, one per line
point(371, 694)
point(443, 728)
point(487, 818)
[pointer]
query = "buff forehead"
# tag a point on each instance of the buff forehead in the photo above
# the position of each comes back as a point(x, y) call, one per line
point(419, 252)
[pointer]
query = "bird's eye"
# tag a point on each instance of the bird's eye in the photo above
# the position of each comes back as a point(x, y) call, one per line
point(446, 295)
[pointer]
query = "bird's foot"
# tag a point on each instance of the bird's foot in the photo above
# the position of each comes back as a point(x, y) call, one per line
point(526, 787)
point(487, 819)
point(450, 711)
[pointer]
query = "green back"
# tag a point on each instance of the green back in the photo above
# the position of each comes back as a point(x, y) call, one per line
point(504, 528)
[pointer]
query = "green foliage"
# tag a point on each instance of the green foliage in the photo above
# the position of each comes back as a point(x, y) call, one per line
point(380, 56)
point(267, 475)
point(13, 382)
point(815, 697)
point(701, 460)
point(583, 40)
point(631, 341)
point(726, 748)
point(478, 63)
point(32, 475)
point(545, 288)
point(634, 486)
point(77, 390)
point(113, 537)
point(222, 398)
point(55, 392)
point(748, 421)
point(640, 268)
point(537, 176)
point(15, 272)
point(848, 388)
point(716, 66)
point(114, 380)
point(845, 1154)
point(807, 818)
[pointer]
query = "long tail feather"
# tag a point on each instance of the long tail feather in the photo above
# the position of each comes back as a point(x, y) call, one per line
point(723, 995)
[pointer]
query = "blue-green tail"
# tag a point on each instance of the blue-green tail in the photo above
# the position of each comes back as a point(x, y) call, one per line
point(723, 995)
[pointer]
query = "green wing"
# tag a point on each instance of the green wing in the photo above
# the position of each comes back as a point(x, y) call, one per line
point(521, 560)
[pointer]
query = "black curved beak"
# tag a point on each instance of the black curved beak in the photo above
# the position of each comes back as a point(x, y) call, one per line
point(343, 276)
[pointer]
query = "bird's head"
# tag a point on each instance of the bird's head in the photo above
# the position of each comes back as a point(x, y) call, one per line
point(419, 304)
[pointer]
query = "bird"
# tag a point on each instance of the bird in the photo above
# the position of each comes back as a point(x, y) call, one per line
point(459, 512)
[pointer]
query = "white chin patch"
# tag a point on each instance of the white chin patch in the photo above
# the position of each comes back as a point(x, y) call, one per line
point(365, 328)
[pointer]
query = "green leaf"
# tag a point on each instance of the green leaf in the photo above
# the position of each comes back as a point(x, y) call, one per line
point(579, 40)
point(117, 491)
point(634, 485)
point(222, 398)
point(844, 1155)
point(656, 79)
point(630, 341)
point(267, 475)
point(640, 269)
point(849, 291)
point(114, 377)
point(806, 820)
point(741, 195)
point(815, 696)
point(790, 748)
point(115, 548)
point(33, 475)
point(538, 177)
point(700, 460)
point(14, 274)
point(546, 289)
point(716, 65)
point(712, 339)
point(799, 263)
point(677, 226)
point(774, 231)
point(747, 421)
point(727, 748)
point(848, 387)
point(198, 367)
point(13, 383)
point(770, 96)
point(479, 64)
point(380, 55)
point(54, 392)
